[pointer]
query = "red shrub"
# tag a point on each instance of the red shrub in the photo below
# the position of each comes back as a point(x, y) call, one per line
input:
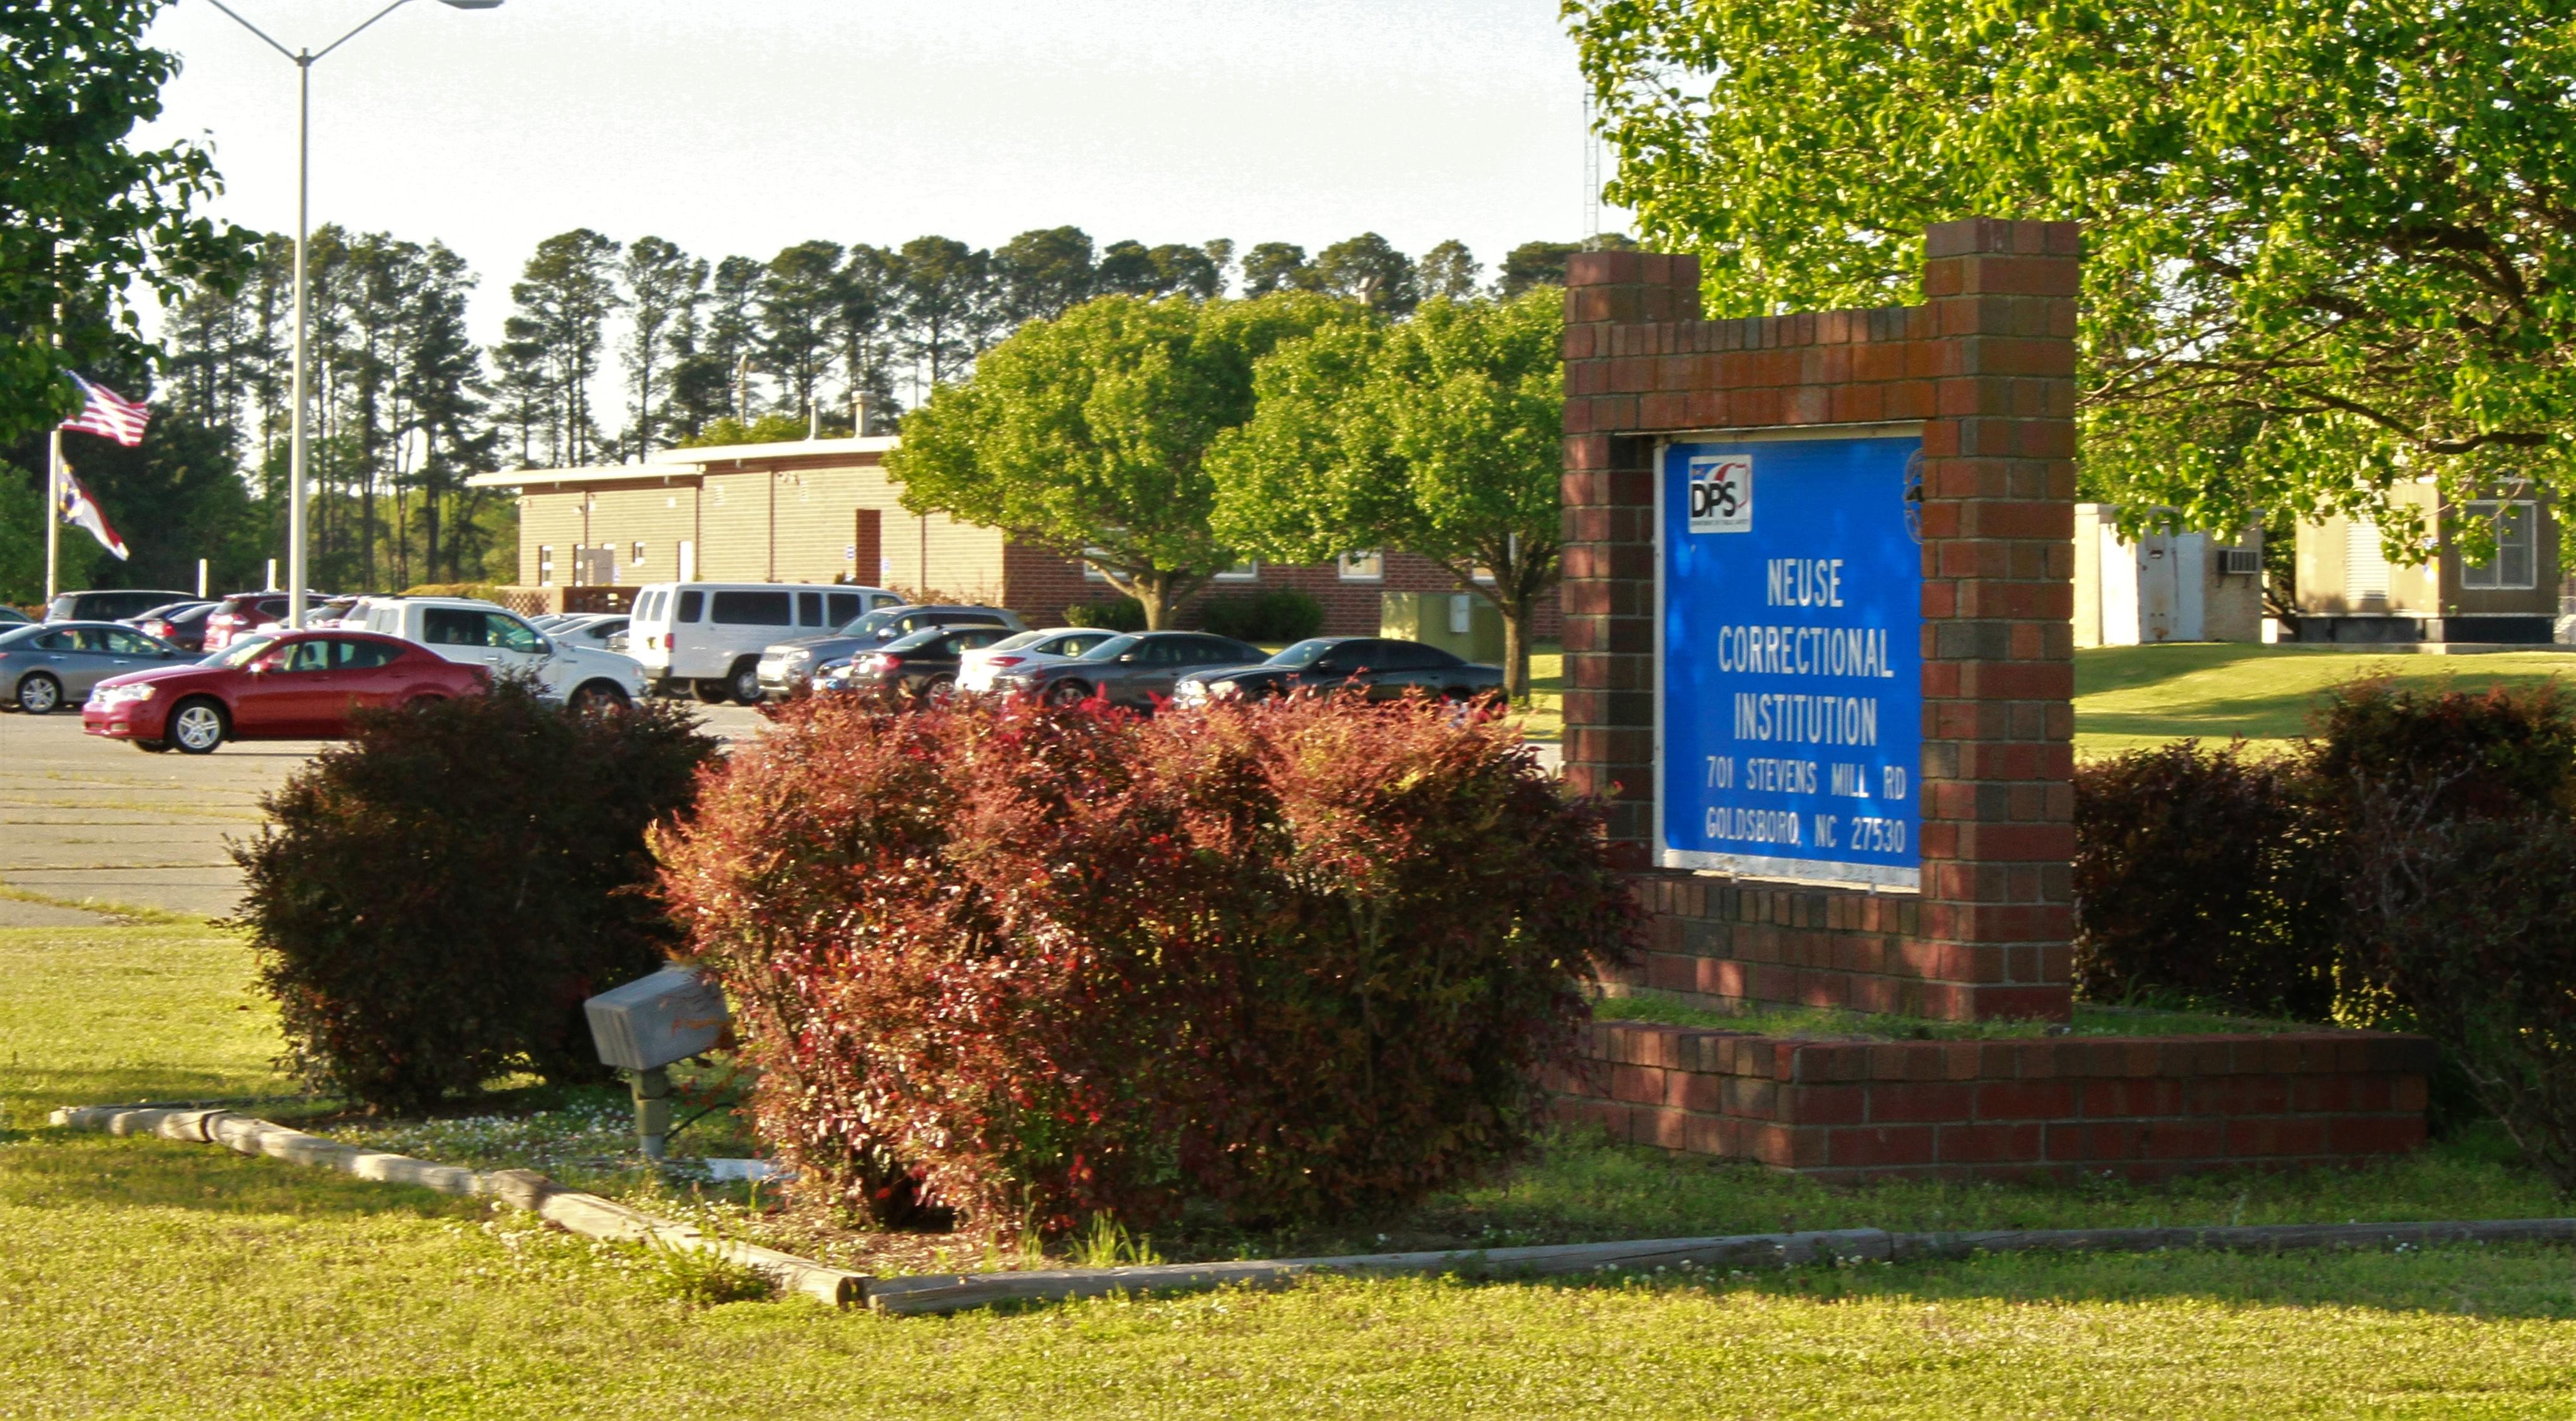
point(1033, 966)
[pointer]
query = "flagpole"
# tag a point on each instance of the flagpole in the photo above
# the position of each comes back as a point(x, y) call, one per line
point(53, 517)
point(54, 488)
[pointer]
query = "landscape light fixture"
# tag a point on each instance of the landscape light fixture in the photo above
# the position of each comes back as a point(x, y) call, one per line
point(304, 60)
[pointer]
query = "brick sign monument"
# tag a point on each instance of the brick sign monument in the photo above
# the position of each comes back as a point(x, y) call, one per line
point(1820, 663)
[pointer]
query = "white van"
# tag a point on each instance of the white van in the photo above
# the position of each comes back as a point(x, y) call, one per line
point(479, 633)
point(708, 636)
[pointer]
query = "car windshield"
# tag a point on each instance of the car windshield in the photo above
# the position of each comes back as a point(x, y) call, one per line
point(16, 634)
point(867, 624)
point(1016, 640)
point(1112, 649)
point(1305, 652)
point(240, 653)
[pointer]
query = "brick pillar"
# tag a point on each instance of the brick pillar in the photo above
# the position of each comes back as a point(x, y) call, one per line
point(1998, 603)
point(1614, 302)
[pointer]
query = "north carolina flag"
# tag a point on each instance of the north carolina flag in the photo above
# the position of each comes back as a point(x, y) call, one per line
point(106, 412)
point(81, 510)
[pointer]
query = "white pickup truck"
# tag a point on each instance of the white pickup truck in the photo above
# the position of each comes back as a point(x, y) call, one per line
point(482, 634)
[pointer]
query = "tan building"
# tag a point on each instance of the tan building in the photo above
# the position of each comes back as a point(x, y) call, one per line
point(2350, 591)
point(823, 510)
point(2164, 586)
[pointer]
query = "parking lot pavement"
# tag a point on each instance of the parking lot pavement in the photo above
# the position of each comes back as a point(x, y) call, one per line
point(84, 819)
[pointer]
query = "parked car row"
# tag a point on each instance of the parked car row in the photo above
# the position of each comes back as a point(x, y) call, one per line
point(254, 679)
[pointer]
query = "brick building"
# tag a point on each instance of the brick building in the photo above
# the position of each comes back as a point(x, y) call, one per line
point(824, 510)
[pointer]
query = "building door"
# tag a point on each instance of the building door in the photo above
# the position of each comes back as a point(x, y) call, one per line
point(688, 560)
point(867, 547)
point(2158, 588)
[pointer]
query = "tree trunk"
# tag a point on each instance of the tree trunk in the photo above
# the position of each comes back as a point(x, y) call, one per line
point(1516, 672)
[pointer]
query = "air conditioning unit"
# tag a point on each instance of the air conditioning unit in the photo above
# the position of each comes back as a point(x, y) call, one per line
point(2240, 562)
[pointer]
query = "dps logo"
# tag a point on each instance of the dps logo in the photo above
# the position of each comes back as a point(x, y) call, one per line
point(1721, 493)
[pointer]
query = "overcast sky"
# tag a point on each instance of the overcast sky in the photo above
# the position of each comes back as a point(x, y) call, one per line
point(744, 125)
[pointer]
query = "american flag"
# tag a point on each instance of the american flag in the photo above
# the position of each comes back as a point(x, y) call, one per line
point(108, 413)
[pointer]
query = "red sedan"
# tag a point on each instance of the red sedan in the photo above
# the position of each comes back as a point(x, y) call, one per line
point(297, 686)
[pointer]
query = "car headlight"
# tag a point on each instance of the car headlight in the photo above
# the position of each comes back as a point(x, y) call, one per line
point(123, 695)
point(795, 658)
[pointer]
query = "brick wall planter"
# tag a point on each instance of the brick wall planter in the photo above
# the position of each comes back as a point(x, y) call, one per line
point(2144, 1107)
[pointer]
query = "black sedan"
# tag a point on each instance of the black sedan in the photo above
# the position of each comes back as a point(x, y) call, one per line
point(922, 665)
point(1383, 667)
point(182, 624)
point(1134, 670)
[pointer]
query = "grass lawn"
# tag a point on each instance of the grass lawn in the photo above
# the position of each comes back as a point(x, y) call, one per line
point(144, 1278)
point(2129, 697)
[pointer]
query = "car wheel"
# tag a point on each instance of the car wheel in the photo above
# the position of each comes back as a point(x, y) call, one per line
point(416, 702)
point(746, 684)
point(713, 692)
point(40, 694)
point(153, 747)
point(1067, 693)
point(593, 696)
point(940, 689)
point(197, 727)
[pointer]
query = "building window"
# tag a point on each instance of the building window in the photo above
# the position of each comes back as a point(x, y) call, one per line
point(1369, 566)
point(2516, 564)
point(638, 559)
point(1091, 570)
point(1244, 571)
point(545, 565)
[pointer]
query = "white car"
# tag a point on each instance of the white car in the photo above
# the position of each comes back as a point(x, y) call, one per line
point(707, 636)
point(976, 669)
point(481, 634)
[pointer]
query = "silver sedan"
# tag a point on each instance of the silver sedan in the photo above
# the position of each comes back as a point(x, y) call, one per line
point(47, 667)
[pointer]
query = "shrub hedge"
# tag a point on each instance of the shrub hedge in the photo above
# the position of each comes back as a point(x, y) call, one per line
point(431, 901)
point(2199, 875)
point(1118, 614)
point(1036, 966)
point(1273, 614)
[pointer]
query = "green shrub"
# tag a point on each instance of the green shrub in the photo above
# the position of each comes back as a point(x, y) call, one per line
point(2198, 877)
point(1040, 966)
point(1273, 614)
point(1118, 614)
point(2467, 924)
point(432, 901)
point(480, 591)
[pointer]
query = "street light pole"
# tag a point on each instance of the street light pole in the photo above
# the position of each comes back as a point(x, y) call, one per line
point(297, 444)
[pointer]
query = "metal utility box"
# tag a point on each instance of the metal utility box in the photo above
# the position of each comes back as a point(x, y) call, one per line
point(1458, 622)
point(652, 1021)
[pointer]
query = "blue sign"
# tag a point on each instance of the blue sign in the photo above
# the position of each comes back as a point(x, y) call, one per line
point(1789, 718)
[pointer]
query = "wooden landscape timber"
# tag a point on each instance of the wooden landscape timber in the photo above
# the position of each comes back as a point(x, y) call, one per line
point(585, 1214)
point(595, 1217)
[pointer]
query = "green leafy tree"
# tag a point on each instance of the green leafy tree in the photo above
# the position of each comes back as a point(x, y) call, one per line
point(1450, 271)
point(869, 293)
point(1543, 263)
point(948, 304)
point(1043, 272)
point(2327, 241)
point(799, 298)
point(1090, 433)
point(1277, 266)
point(664, 286)
point(1441, 435)
point(563, 300)
point(733, 328)
point(84, 216)
point(1368, 269)
point(22, 541)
